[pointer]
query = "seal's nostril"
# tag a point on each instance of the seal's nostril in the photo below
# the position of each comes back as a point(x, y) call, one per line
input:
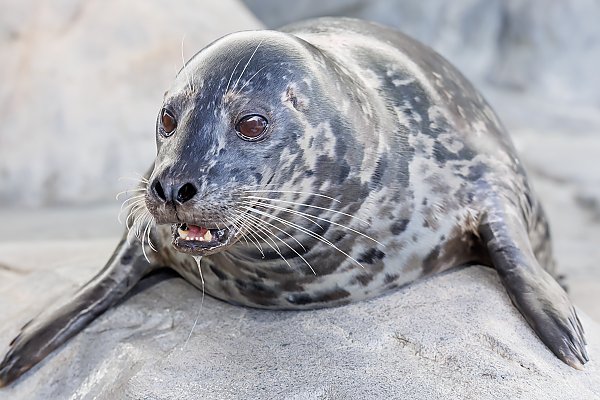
point(185, 193)
point(158, 189)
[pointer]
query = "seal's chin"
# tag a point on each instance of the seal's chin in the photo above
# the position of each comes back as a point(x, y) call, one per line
point(199, 240)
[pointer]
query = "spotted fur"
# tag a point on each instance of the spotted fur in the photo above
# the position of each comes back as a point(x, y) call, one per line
point(381, 164)
point(379, 122)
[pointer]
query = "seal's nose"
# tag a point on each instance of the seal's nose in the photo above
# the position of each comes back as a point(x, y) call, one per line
point(186, 192)
point(169, 194)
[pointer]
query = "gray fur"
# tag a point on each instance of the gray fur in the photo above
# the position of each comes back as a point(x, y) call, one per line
point(396, 161)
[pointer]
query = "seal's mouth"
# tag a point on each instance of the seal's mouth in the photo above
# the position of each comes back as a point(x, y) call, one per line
point(200, 240)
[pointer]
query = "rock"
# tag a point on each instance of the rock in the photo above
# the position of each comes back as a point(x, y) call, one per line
point(82, 85)
point(455, 335)
point(552, 50)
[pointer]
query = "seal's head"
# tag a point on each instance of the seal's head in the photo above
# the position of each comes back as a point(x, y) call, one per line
point(243, 117)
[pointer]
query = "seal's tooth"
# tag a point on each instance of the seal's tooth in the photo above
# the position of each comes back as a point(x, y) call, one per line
point(208, 236)
point(182, 234)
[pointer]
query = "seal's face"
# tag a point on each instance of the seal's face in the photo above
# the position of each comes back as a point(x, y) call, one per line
point(224, 125)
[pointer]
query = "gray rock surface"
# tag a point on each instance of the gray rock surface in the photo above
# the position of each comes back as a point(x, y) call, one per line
point(82, 82)
point(455, 335)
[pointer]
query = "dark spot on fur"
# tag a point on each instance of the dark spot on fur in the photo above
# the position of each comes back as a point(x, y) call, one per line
point(370, 256)
point(261, 274)
point(431, 261)
point(309, 172)
point(344, 172)
point(339, 236)
point(334, 295)
point(300, 298)
point(399, 226)
point(442, 154)
point(363, 279)
point(256, 292)
point(476, 172)
point(291, 285)
point(220, 274)
point(304, 298)
point(128, 256)
point(380, 167)
point(389, 278)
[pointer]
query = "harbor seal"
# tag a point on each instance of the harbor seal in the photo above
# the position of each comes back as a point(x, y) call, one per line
point(328, 162)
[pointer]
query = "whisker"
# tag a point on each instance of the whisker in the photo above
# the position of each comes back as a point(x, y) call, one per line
point(306, 205)
point(250, 226)
point(268, 223)
point(290, 247)
point(188, 77)
point(248, 63)
point(292, 192)
point(144, 247)
point(131, 204)
point(140, 178)
point(260, 222)
point(305, 215)
point(149, 230)
point(252, 77)
point(129, 178)
point(231, 76)
point(274, 246)
point(124, 192)
point(299, 213)
point(306, 231)
point(139, 218)
point(132, 217)
point(201, 303)
point(254, 241)
point(239, 229)
point(136, 204)
point(132, 198)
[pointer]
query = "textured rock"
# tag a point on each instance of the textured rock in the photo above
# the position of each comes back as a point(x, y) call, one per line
point(82, 84)
point(455, 335)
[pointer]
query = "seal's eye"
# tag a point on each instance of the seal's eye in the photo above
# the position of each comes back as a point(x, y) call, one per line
point(168, 122)
point(251, 127)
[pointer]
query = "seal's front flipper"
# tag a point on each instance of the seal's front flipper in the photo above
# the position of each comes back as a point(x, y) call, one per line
point(44, 334)
point(536, 294)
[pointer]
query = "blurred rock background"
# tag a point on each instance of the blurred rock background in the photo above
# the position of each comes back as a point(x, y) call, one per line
point(82, 82)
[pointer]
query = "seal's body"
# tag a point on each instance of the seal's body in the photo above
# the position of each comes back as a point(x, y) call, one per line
point(325, 163)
